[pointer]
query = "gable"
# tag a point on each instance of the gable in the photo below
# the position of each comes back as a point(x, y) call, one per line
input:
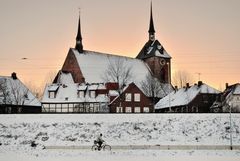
point(131, 88)
point(71, 65)
point(17, 93)
point(152, 49)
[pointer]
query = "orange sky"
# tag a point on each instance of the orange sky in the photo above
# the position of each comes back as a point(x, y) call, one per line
point(201, 36)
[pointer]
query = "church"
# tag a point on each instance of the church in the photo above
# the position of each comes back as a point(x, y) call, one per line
point(85, 67)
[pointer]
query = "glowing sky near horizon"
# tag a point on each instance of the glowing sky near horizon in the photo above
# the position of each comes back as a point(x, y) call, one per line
point(201, 36)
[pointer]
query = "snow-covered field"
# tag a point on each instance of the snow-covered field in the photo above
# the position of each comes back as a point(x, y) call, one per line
point(17, 132)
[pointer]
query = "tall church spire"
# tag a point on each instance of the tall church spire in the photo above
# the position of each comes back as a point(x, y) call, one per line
point(151, 30)
point(79, 45)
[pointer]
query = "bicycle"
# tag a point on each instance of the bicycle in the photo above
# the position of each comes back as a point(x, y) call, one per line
point(104, 147)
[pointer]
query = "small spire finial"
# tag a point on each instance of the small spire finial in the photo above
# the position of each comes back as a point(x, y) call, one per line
point(79, 45)
point(151, 30)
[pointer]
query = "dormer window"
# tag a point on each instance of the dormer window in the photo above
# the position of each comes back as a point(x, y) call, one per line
point(92, 94)
point(80, 94)
point(52, 91)
point(52, 94)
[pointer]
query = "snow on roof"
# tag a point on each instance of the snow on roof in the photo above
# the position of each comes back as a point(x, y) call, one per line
point(93, 87)
point(65, 78)
point(53, 87)
point(164, 55)
point(19, 94)
point(94, 65)
point(68, 94)
point(237, 89)
point(113, 93)
point(184, 96)
point(82, 87)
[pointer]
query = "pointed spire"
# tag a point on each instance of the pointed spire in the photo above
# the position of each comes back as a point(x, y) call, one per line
point(151, 30)
point(79, 45)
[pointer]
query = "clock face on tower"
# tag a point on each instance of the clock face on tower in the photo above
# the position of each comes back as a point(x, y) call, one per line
point(162, 61)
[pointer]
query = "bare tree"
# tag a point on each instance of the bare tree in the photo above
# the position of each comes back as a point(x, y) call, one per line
point(180, 78)
point(152, 87)
point(36, 90)
point(13, 94)
point(4, 93)
point(118, 71)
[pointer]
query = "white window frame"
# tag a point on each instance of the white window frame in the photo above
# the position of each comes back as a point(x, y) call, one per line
point(128, 97)
point(146, 109)
point(137, 97)
point(137, 109)
point(128, 109)
point(119, 109)
point(80, 94)
point(92, 94)
point(52, 94)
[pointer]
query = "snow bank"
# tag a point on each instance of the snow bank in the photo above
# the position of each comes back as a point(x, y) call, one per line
point(17, 133)
point(119, 129)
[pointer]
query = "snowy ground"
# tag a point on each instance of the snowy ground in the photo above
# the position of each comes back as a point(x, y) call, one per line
point(17, 132)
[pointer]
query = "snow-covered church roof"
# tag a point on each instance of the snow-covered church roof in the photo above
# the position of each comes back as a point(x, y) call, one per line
point(94, 65)
point(184, 96)
point(14, 92)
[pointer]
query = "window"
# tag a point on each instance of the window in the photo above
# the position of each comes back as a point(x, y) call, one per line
point(128, 97)
point(137, 97)
point(51, 94)
point(146, 109)
point(119, 110)
point(128, 109)
point(81, 94)
point(137, 110)
point(205, 98)
point(92, 94)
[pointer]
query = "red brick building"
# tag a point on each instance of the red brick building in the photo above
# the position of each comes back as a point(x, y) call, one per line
point(131, 100)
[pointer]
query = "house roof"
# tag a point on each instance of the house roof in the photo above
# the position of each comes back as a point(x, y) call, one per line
point(184, 96)
point(18, 93)
point(236, 89)
point(232, 90)
point(67, 91)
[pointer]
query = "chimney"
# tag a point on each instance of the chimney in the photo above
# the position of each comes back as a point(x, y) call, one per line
point(176, 88)
point(200, 83)
point(14, 75)
point(226, 85)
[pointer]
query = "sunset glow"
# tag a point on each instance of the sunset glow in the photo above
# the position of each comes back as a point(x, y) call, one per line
point(201, 36)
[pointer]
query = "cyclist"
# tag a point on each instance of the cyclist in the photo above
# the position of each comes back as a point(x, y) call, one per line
point(99, 141)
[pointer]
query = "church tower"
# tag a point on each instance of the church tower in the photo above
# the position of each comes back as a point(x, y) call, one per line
point(79, 45)
point(155, 56)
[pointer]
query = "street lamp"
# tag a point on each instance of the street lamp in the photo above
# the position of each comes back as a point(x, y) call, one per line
point(169, 91)
point(230, 119)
